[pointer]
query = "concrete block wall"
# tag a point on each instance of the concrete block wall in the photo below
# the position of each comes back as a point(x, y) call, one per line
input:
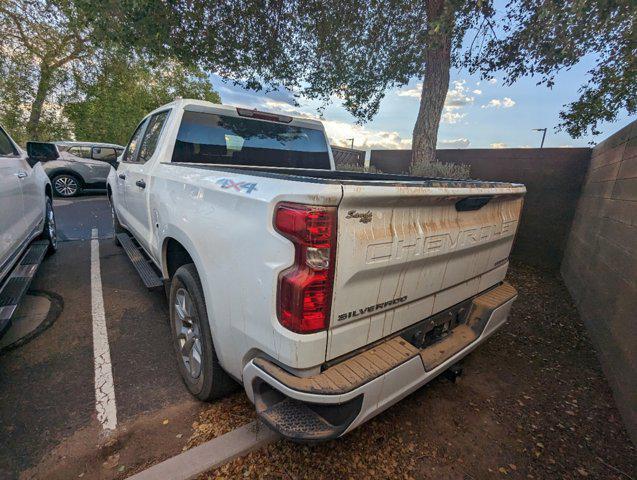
point(600, 264)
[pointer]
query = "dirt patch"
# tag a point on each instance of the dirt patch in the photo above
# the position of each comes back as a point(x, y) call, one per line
point(138, 444)
point(532, 403)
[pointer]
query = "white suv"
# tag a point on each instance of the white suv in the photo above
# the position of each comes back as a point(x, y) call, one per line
point(26, 214)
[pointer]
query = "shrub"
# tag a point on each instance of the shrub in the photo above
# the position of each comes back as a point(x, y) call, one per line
point(352, 167)
point(442, 170)
point(430, 170)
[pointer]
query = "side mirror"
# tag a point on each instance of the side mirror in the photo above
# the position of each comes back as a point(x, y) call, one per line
point(42, 151)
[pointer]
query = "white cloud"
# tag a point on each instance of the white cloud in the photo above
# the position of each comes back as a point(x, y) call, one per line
point(457, 98)
point(506, 102)
point(450, 115)
point(477, 91)
point(411, 92)
point(283, 107)
point(499, 145)
point(341, 133)
point(454, 143)
point(493, 81)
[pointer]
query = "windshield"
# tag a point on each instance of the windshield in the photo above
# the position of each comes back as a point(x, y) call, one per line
point(221, 139)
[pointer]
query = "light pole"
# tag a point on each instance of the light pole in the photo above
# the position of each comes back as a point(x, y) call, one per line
point(543, 135)
point(352, 140)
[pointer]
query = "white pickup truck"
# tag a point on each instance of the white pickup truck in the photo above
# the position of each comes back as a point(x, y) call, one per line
point(328, 295)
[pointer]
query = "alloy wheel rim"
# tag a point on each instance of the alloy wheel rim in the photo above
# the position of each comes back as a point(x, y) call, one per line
point(186, 324)
point(66, 186)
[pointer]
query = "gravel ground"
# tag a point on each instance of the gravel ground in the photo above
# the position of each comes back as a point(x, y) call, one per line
point(532, 403)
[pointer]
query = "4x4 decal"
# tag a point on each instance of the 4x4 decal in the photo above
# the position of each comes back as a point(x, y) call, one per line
point(238, 186)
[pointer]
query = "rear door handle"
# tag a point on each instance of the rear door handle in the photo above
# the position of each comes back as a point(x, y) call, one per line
point(122, 176)
point(140, 183)
point(21, 174)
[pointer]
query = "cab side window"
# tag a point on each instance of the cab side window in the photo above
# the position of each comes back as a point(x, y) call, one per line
point(151, 137)
point(130, 154)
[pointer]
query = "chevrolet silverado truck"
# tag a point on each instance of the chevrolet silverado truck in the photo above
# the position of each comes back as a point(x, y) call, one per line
point(27, 221)
point(328, 295)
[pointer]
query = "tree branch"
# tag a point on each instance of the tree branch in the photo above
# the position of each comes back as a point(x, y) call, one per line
point(21, 33)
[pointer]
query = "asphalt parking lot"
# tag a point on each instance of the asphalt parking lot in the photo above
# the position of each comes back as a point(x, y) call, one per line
point(47, 386)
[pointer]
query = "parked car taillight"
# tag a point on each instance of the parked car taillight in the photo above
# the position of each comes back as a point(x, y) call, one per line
point(304, 295)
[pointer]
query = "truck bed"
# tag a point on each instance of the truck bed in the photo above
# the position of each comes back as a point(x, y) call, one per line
point(350, 178)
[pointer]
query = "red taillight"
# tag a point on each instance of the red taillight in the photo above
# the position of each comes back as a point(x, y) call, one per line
point(304, 296)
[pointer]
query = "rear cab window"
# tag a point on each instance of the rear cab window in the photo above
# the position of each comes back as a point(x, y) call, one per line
point(226, 140)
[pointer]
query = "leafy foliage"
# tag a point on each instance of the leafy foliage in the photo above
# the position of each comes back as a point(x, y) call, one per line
point(125, 91)
point(43, 45)
point(55, 67)
point(543, 38)
point(352, 49)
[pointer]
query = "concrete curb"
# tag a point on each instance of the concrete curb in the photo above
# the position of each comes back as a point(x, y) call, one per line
point(212, 454)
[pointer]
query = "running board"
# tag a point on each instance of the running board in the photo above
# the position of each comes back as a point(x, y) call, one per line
point(141, 262)
point(18, 281)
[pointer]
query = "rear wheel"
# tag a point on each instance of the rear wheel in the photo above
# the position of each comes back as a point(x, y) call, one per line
point(192, 340)
point(66, 185)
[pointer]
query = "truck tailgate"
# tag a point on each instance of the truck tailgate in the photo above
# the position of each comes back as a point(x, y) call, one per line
point(406, 252)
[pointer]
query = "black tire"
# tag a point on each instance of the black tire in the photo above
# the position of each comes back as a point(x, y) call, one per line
point(211, 382)
point(50, 228)
point(66, 185)
point(117, 227)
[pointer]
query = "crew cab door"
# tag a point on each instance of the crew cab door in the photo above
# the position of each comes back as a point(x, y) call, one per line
point(13, 228)
point(137, 180)
point(129, 158)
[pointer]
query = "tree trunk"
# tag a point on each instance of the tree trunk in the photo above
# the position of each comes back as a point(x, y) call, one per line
point(434, 86)
point(44, 84)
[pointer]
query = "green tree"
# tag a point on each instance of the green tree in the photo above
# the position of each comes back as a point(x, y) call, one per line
point(543, 38)
point(355, 50)
point(125, 90)
point(43, 44)
point(358, 49)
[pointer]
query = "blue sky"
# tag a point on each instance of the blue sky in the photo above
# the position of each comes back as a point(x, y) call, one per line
point(478, 114)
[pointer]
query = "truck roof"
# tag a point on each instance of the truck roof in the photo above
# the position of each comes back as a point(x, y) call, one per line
point(205, 106)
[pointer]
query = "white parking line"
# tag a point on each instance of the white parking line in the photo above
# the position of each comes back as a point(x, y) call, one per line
point(104, 388)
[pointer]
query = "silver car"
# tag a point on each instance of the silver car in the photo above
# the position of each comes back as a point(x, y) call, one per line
point(81, 165)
